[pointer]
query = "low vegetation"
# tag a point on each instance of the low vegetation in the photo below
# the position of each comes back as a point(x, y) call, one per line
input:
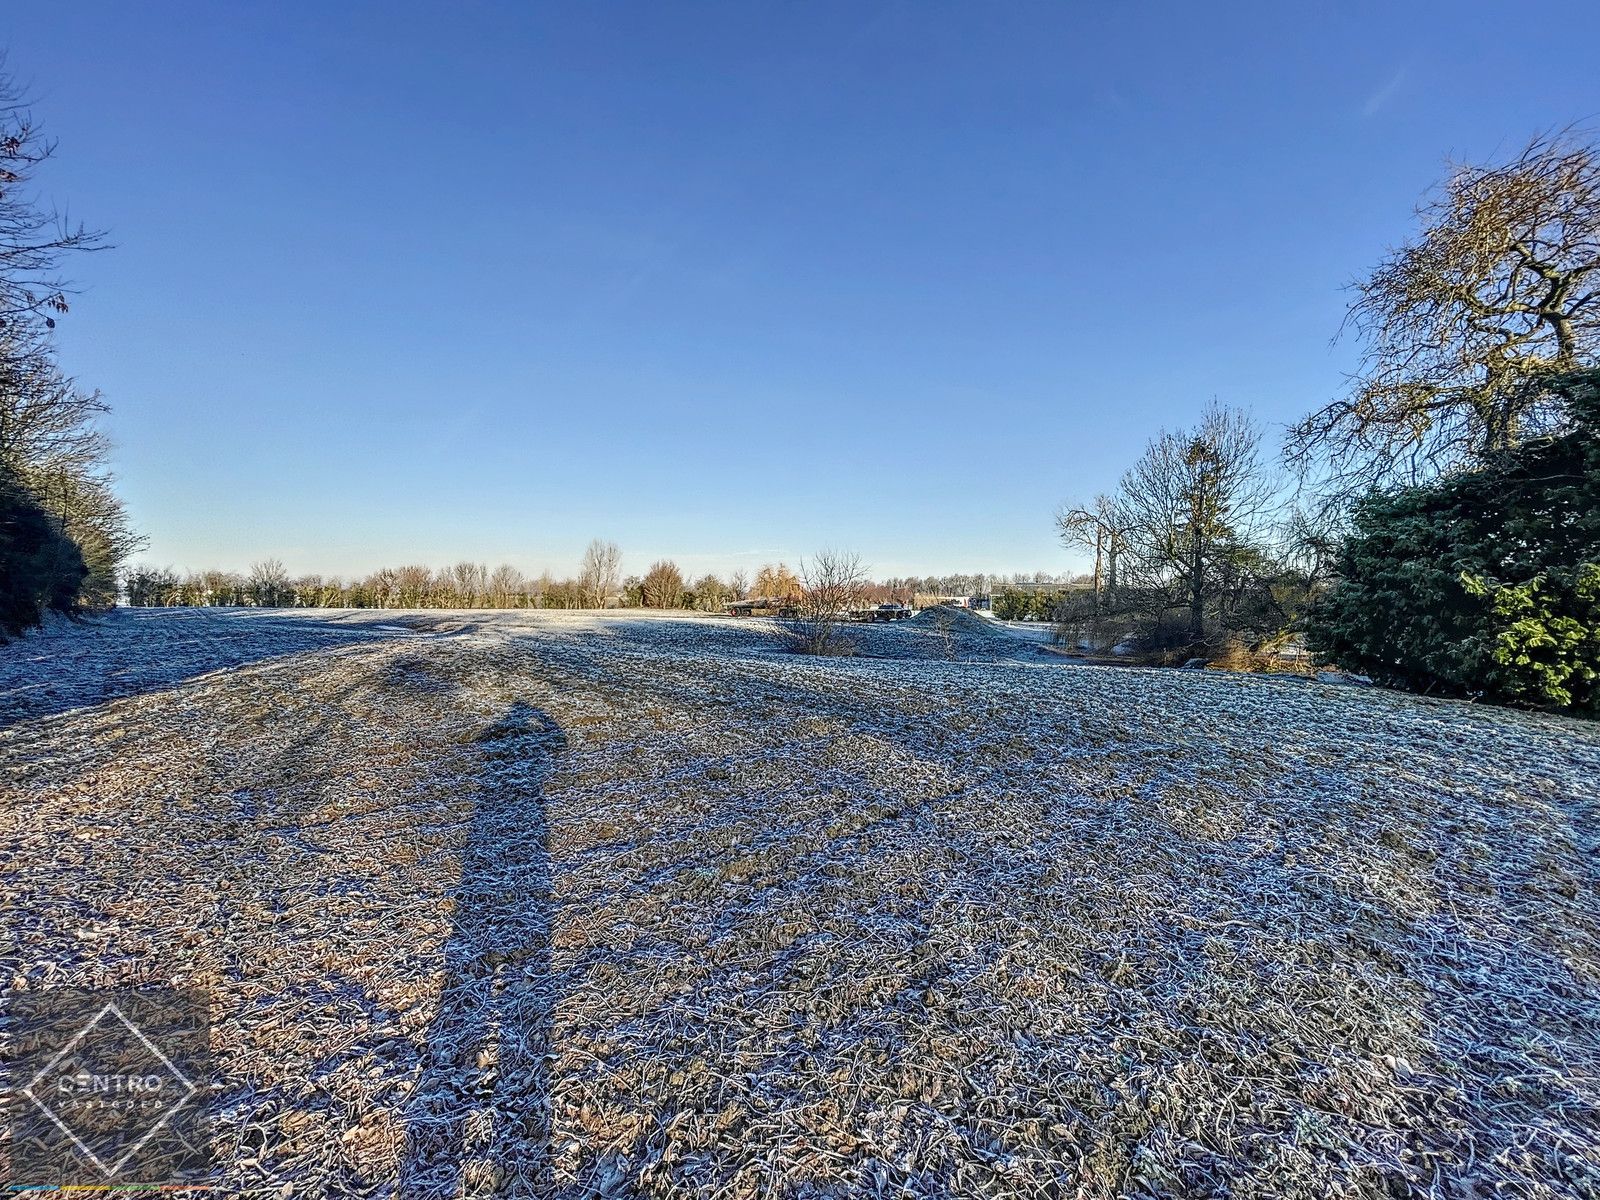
point(610, 904)
point(833, 585)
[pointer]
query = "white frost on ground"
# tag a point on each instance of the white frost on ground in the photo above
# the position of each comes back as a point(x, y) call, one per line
point(606, 904)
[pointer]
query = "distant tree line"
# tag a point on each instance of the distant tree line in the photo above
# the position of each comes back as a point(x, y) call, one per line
point(1438, 527)
point(269, 584)
point(63, 532)
point(598, 584)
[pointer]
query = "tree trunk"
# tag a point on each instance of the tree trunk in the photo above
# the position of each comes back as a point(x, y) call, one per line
point(1196, 591)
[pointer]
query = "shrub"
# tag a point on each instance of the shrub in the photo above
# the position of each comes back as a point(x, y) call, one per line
point(1541, 645)
point(40, 567)
point(1484, 583)
point(834, 584)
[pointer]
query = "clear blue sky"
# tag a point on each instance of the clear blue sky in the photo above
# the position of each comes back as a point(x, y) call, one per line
point(727, 282)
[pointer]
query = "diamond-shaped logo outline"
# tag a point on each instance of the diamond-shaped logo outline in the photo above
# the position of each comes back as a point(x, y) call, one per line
point(188, 1093)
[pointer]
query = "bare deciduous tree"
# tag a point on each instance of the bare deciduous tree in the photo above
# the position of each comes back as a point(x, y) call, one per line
point(1458, 327)
point(413, 585)
point(1193, 497)
point(63, 533)
point(89, 511)
point(44, 418)
point(1096, 528)
point(601, 572)
point(470, 583)
point(506, 586)
point(269, 583)
point(832, 585)
point(34, 239)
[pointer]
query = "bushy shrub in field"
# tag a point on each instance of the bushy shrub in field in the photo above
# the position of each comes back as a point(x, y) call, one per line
point(1486, 582)
point(1542, 645)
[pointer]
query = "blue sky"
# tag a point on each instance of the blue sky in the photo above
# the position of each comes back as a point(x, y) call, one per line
point(726, 282)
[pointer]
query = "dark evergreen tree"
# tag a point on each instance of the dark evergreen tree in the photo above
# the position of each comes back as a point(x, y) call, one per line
point(1487, 582)
point(40, 567)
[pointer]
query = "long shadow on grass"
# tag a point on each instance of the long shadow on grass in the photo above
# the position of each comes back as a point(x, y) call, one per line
point(480, 1115)
point(137, 651)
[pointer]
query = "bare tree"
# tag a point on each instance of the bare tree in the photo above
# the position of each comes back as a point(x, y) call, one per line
point(543, 590)
point(832, 585)
point(52, 456)
point(506, 586)
point(1458, 327)
point(600, 574)
point(413, 586)
point(944, 630)
point(470, 582)
point(662, 585)
point(269, 583)
point(44, 417)
point(1097, 528)
point(385, 586)
point(152, 587)
point(34, 240)
point(739, 585)
point(1194, 497)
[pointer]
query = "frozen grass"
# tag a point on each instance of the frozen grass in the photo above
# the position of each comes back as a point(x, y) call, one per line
point(614, 904)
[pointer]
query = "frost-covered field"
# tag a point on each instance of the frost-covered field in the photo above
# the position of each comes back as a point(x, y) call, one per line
point(606, 905)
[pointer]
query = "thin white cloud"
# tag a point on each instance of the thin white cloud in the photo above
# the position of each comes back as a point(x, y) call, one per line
point(1380, 98)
